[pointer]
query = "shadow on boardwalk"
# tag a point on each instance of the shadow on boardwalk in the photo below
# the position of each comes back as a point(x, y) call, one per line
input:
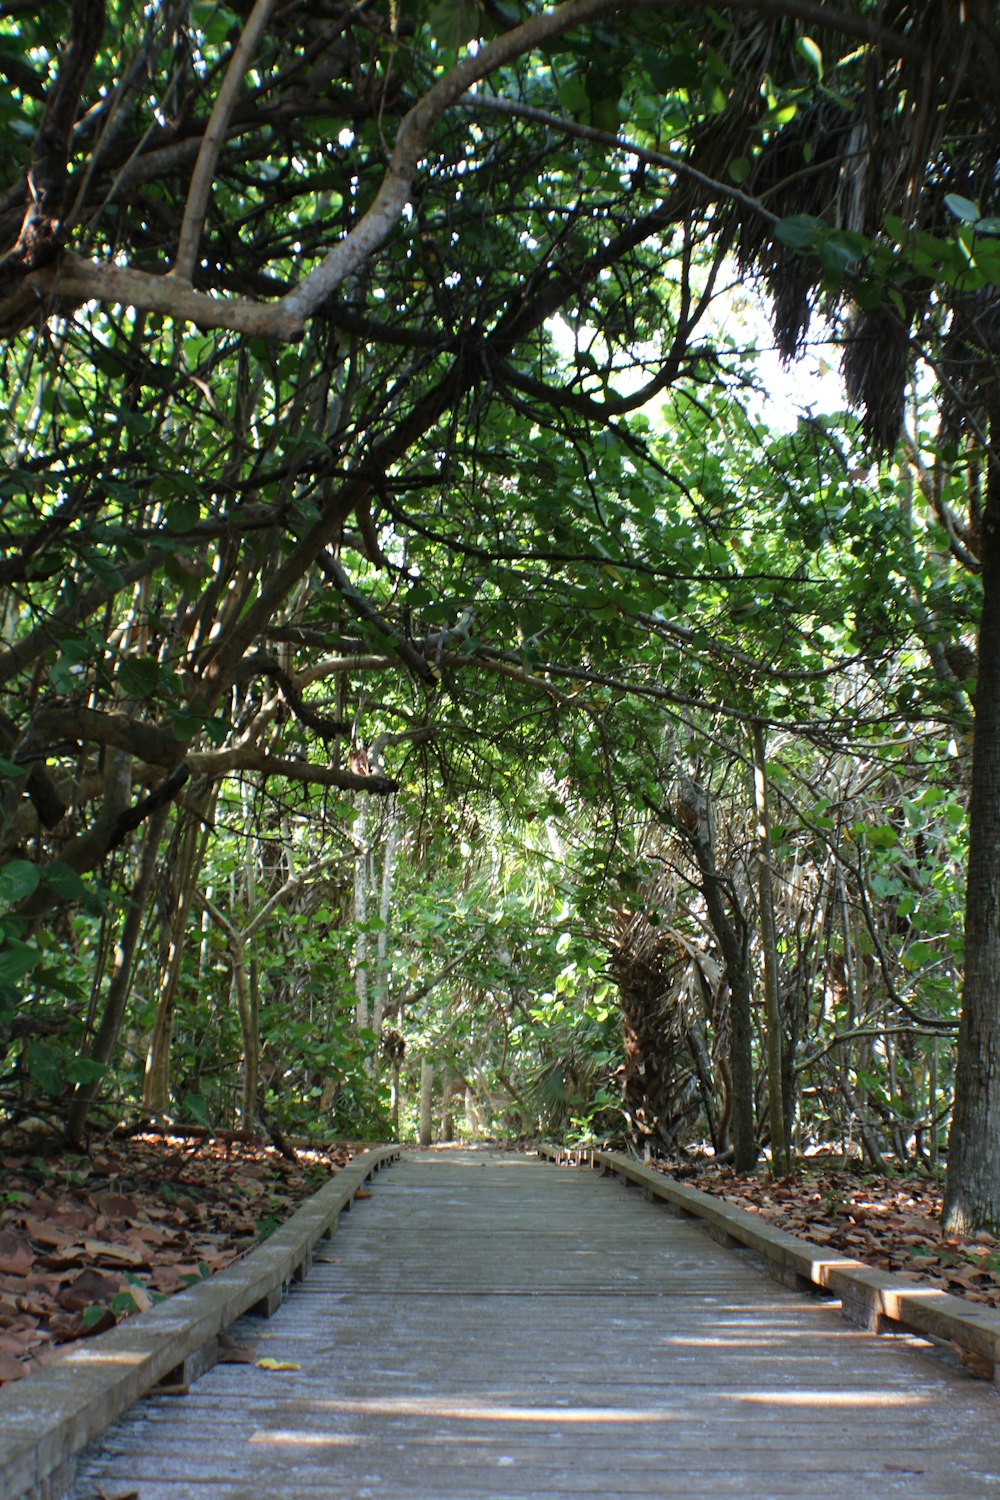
point(488, 1326)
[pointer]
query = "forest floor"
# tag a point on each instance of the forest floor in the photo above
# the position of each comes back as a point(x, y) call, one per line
point(889, 1222)
point(87, 1239)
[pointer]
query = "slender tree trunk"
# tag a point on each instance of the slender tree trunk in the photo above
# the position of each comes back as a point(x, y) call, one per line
point(362, 875)
point(248, 1029)
point(768, 938)
point(448, 1092)
point(426, 1131)
point(693, 819)
point(106, 1036)
point(396, 1070)
point(972, 1191)
point(743, 1126)
point(391, 843)
point(156, 1084)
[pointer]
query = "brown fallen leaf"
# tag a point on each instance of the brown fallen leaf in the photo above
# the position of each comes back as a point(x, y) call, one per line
point(117, 1206)
point(16, 1254)
point(231, 1353)
point(86, 1289)
point(44, 1232)
point(11, 1369)
point(143, 1301)
point(64, 1326)
point(114, 1255)
point(171, 1208)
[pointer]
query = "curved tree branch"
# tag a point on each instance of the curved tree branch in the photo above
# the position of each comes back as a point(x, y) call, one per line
point(211, 142)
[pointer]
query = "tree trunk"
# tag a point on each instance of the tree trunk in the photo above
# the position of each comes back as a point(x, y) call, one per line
point(248, 1030)
point(362, 874)
point(769, 944)
point(426, 1101)
point(693, 819)
point(390, 845)
point(451, 1088)
point(396, 1070)
point(106, 1036)
point(156, 1083)
point(972, 1191)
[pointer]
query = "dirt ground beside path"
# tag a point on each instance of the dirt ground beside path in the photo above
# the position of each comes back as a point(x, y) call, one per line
point(891, 1223)
point(87, 1239)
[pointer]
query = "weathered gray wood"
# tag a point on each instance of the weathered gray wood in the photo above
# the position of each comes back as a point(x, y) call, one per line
point(486, 1326)
point(875, 1300)
point(47, 1419)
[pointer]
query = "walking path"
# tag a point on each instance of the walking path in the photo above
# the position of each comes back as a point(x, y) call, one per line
point(490, 1326)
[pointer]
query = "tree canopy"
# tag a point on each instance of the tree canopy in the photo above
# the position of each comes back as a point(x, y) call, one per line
point(406, 575)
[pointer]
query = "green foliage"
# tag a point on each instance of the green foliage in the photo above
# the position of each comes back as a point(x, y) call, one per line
point(576, 590)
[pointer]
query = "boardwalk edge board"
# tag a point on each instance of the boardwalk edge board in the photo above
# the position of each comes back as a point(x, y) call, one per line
point(46, 1419)
point(875, 1300)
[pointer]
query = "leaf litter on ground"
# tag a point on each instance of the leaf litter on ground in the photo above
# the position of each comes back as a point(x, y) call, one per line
point(87, 1239)
point(889, 1222)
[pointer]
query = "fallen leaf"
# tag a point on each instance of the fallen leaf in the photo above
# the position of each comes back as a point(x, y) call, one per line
point(11, 1369)
point(114, 1255)
point(268, 1363)
point(16, 1254)
point(43, 1232)
point(87, 1288)
point(231, 1353)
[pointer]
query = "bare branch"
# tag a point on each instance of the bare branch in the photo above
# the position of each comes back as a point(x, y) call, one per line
point(211, 142)
point(216, 763)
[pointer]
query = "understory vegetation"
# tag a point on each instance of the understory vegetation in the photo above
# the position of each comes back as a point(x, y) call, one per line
point(445, 688)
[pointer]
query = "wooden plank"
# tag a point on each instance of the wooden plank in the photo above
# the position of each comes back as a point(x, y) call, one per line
point(487, 1327)
point(46, 1419)
point(875, 1300)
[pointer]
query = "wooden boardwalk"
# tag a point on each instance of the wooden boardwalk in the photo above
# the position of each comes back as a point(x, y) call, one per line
point(489, 1326)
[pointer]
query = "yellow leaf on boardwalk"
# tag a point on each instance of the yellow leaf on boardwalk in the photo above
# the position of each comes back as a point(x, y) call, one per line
point(276, 1364)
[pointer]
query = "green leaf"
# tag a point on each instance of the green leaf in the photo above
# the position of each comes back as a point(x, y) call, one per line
point(799, 231)
point(84, 1070)
point(139, 676)
point(962, 208)
point(102, 569)
point(18, 879)
point(45, 1067)
point(810, 50)
point(16, 960)
point(186, 726)
point(455, 22)
point(63, 879)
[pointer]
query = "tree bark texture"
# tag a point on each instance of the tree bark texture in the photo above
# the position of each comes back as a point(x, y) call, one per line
point(693, 819)
point(106, 1036)
point(972, 1192)
point(194, 846)
point(765, 905)
point(426, 1128)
